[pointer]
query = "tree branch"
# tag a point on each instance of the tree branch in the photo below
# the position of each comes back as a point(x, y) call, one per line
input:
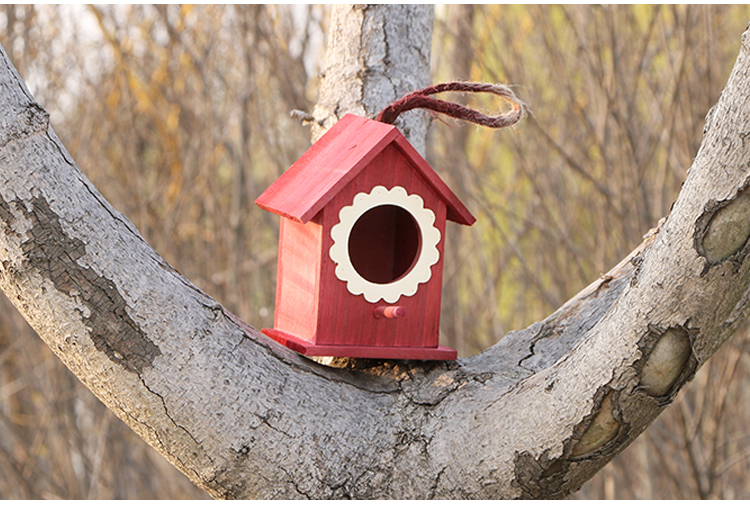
point(534, 416)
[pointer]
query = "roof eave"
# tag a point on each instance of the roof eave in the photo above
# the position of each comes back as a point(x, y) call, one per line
point(457, 211)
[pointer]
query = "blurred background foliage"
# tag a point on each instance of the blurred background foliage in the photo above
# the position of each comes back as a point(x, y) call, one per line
point(180, 116)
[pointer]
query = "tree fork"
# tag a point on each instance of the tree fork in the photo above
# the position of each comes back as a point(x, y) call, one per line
point(536, 415)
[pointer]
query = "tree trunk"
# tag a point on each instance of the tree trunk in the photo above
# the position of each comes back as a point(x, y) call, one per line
point(375, 54)
point(536, 415)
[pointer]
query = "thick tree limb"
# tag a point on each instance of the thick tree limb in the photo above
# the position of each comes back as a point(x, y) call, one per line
point(375, 55)
point(534, 416)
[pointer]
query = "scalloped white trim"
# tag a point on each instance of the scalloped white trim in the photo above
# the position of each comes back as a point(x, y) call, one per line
point(428, 257)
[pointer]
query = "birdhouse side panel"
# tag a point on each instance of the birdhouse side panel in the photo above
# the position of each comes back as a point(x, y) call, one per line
point(298, 277)
point(348, 319)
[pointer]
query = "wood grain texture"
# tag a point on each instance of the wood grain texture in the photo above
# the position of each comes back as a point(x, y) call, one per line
point(420, 327)
point(314, 305)
point(439, 353)
point(330, 164)
point(457, 211)
point(327, 167)
point(298, 277)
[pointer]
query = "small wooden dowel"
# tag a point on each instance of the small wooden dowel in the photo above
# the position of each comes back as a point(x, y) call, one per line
point(389, 312)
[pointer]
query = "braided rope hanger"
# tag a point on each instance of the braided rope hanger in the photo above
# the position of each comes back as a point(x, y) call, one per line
point(422, 99)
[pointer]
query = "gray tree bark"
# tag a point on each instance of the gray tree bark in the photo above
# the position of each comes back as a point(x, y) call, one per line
point(534, 416)
point(375, 54)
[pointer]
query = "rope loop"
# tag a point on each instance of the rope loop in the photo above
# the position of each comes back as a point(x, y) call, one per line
point(422, 99)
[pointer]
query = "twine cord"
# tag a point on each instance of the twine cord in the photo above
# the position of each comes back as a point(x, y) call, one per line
point(422, 99)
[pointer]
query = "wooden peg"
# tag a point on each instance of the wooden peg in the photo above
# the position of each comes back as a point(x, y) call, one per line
point(389, 312)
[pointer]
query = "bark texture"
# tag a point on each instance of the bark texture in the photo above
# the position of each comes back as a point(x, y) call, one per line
point(534, 416)
point(375, 54)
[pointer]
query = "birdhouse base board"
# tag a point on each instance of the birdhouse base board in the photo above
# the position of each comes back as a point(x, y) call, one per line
point(359, 351)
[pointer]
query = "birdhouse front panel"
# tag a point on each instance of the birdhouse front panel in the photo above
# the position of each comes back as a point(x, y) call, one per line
point(388, 223)
point(361, 246)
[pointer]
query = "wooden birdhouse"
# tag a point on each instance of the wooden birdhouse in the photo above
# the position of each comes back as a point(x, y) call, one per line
point(361, 246)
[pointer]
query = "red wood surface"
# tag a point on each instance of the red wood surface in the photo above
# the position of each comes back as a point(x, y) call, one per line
point(333, 161)
point(298, 276)
point(340, 154)
point(356, 351)
point(457, 211)
point(315, 313)
point(344, 319)
point(389, 312)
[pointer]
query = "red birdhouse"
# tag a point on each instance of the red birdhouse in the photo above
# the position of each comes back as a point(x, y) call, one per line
point(361, 246)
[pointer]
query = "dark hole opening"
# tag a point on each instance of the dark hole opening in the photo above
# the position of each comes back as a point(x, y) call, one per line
point(384, 243)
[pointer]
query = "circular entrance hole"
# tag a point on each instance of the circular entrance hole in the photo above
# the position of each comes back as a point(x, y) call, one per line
point(384, 243)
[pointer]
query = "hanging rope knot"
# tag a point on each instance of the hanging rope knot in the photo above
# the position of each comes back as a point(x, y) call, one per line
point(422, 99)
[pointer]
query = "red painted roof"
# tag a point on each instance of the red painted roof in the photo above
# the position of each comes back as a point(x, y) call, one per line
point(335, 159)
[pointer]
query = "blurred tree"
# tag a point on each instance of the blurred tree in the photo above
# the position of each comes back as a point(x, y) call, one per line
point(619, 124)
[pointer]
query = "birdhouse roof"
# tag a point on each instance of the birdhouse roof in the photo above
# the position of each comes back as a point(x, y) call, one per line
point(333, 161)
